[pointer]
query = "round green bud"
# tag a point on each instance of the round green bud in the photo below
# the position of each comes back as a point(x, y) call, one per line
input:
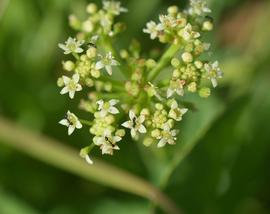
point(68, 65)
point(120, 132)
point(83, 58)
point(89, 82)
point(95, 73)
point(91, 52)
point(91, 8)
point(124, 54)
point(159, 106)
point(176, 73)
point(74, 22)
point(150, 63)
point(60, 82)
point(192, 87)
point(175, 62)
point(108, 86)
point(88, 26)
point(204, 92)
point(109, 119)
point(155, 133)
point(145, 111)
point(172, 10)
point(198, 64)
point(148, 141)
point(207, 26)
point(187, 57)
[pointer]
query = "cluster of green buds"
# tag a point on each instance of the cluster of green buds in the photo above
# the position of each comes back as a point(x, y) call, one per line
point(124, 91)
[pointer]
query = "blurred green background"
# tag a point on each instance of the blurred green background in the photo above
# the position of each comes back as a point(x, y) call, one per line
point(221, 163)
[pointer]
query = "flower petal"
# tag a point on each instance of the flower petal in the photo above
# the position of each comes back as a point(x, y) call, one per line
point(71, 129)
point(113, 110)
point(64, 122)
point(142, 129)
point(88, 159)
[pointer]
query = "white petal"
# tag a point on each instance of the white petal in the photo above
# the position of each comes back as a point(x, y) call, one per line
point(161, 143)
point(131, 115)
point(100, 104)
point(64, 90)
point(71, 94)
point(117, 139)
point(99, 65)
point(174, 105)
point(64, 122)
point(127, 124)
point(79, 50)
point(133, 132)
point(103, 113)
point(88, 159)
point(113, 110)
point(76, 77)
point(214, 82)
point(114, 62)
point(169, 92)
point(66, 79)
point(113, 102)
point(141, 119)
point(142, 129)
point(78, 124)
point(180, 92)
point(108, 69)
point(78, 87)
point(184, 110)
point(71, 129)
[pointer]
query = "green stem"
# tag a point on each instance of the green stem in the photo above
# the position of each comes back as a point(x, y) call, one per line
point(86, 122)
point(63, 157)
point(164, 61)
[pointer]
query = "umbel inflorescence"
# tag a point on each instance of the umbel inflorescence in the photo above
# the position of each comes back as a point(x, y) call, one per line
point(126, 95)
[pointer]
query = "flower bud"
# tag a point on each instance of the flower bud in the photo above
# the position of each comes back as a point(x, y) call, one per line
point(172, 10)
point(204, 92)
point(175, 62)
point(120, 132)
point(148, 141)
point(187, 57)
point(155, 133)
point(91, 8)
point(207, 26)
point(91, 52)
point(68, 65)
point(88, 26)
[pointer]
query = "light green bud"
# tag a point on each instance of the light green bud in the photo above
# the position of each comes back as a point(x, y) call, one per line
point(192, 87)
point(207, 26)
point(124, 54)
point(68, 65)
point(159, 106)
point(60, 82)
point(175, 62)
point(91, 8)
point(148, 141)
point(88, 26)
point(155, 133)
point(198, 64)
point(91, 52)
point(145, 111)
point(89, 82)
point(187, 57)
point(120, 132)
point(74, 22)
point(176, 73)
point(95, 73)
point(204, 92)
point(172, 9)
point(150, 63)
point(108, 86)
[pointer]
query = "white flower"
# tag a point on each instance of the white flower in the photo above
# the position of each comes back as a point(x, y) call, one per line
point(71, 85)
point(198, 7)
point(72, 122)
point(108, 61)
point(135, 124)
point(213, 72)
point(72, 46)
point(153, 29)
point(167, 136)
point(114, 7)
point(176, 86)
point(168, 21)
point(107, 107)
point(176, 113)
point(107, 142)
point(188, 34)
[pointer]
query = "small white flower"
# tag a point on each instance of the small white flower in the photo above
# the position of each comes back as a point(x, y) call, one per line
point(114, 7)
point(107, 142)
point(107, 107)
point(107, 62)
point(72, 122)
point(72, 46)
point(153, 29)
point(135, 124)
point(176, 86)
point(168, 21)
point(167, 136)
point(213, 72)
point(198, 7)
point(188, 34)
point(176, 113)
point(71, 85)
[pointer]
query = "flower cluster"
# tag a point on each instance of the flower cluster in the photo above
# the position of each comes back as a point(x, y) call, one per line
point(123, 94)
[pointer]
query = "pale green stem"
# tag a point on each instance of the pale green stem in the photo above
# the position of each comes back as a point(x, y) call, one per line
point(63, 157)
point(164, 61)
point(86, 122)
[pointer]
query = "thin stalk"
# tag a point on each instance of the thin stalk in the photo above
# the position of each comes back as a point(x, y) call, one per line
point(65, 158)
point(86, 122)
point(164, 61)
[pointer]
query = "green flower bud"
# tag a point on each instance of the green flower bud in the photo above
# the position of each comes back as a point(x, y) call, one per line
point(91, 52)
point(198, 64)
point(172, 10)
point(124, 54)
point(91, 8)
point(74, 22)
point(120, 132)
point(207, 26)
point(88, 26)
point(159, 106)
point(68, 65)
point(155, 133)
point(175, 62)
point(204, 92)
point(176, 73)
point(95, 73)
point(108, 86)
point(145, 111)
point(60, 82)
point(89, 82)
point(192, 87)
point(148, 141)
point(150, 63)
point(187, 57)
